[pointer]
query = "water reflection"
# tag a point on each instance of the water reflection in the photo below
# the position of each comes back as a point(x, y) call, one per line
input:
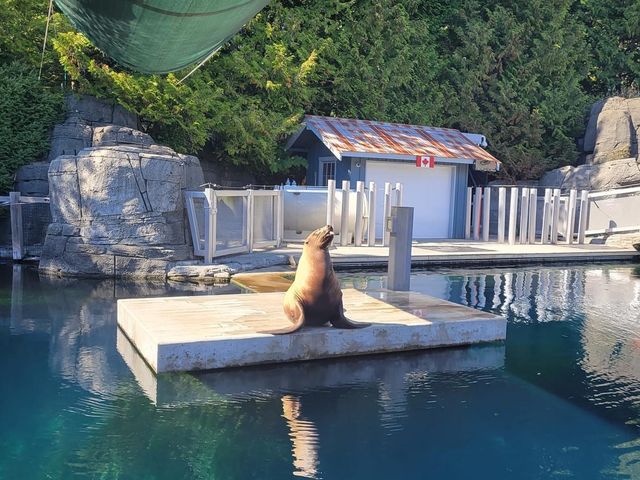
point(593, 317)
point(304, 437)
point(561, 398)
point(78, 318)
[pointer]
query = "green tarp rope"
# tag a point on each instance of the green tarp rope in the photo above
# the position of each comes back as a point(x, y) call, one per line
point(159, 36)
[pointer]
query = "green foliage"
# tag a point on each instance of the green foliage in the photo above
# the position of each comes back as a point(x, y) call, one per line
point(28, 110)
point(514, 75)
point(521, 72)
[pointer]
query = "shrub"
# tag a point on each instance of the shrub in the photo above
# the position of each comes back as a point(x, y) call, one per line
point(28, 110)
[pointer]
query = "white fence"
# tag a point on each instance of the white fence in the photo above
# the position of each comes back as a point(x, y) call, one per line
point(351, 212)
point(533, 215)
point(224, 222)
point(614, 211)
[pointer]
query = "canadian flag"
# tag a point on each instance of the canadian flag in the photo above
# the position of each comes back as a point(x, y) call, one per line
point(425, 161)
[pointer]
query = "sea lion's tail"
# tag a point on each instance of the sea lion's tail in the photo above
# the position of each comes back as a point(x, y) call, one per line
point(295, 312)
point(344, 322)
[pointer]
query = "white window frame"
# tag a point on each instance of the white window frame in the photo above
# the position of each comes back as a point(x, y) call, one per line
point(322, 161)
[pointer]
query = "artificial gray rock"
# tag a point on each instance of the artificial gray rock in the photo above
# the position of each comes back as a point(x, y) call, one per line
point(116, 135)
point(32, 180)
point(606, 176)
point(615, 138)
point(610, 146)
point(612, 130)
point(95, 112)
point(70, 137)
point(118, 210)
point(622, 240)
point(224, 268)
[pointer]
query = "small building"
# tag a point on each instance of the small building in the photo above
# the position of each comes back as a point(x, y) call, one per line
point(431, 163)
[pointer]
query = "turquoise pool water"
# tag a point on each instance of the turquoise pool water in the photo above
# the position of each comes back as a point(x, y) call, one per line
point(560, 399)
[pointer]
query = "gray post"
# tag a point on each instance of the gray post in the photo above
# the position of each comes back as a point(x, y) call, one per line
point(357, 236)
point(584, 215)
point(344, 217)
point(486, 211)
point(467, 217)
point(17, 238)
point(513, 212)
point(371, 234)
point(502, 212)
point(386, 206)
point(210, 210)
point(399, 270)
point(331, 198)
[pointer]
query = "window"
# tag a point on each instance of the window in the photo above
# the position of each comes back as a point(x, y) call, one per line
point(327, 170)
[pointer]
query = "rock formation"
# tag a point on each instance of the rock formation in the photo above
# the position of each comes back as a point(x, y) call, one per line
point(610, 149)
point(117, 200)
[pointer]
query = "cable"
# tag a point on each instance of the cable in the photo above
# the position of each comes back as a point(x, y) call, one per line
point(46, 34)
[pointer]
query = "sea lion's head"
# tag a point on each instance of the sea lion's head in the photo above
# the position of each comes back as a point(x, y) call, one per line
point(320, 238)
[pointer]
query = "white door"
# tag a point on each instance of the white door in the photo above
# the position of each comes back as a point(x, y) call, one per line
point(428, 190)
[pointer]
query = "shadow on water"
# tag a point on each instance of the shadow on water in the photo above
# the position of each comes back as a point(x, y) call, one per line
point(560, 398)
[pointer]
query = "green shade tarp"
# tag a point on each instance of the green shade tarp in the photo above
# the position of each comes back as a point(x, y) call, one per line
point(159, 36)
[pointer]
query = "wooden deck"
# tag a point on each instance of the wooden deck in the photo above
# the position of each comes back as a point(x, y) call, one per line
point(220, 331)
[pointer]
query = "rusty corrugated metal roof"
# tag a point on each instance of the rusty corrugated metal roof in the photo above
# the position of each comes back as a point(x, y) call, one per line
point(344, 136)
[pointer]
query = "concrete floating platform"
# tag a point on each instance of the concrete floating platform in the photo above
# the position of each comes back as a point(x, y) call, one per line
point(211, 332)
point(390, 372)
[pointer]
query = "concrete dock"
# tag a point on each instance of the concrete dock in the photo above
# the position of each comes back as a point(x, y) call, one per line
point(212, 332)
point(470, 253)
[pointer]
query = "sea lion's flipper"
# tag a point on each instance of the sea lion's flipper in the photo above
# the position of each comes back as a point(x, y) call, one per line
point(343, 322)
point(295, 313)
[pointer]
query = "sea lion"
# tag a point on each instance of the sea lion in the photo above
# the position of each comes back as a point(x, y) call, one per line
point(315, 297)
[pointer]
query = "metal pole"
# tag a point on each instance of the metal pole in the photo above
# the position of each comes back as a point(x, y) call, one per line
point(513, 212)
point(386, 214)
point(399, 269)
point(584, 215)
point(467, 218)
point(331, 198)
point(371, 234)
point(533, 212)
point(555, 215)
point(210, 210)
point(344, 217)
point(477, 208)
point(546, 216)
point(524, 215)
point(486, 212)
point(357, 237)
point(571, 215)
point(17, 237)
point(502, 211)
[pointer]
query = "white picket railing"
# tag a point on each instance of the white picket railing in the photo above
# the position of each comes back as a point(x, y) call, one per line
point(546, 218)
point(524, 223)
